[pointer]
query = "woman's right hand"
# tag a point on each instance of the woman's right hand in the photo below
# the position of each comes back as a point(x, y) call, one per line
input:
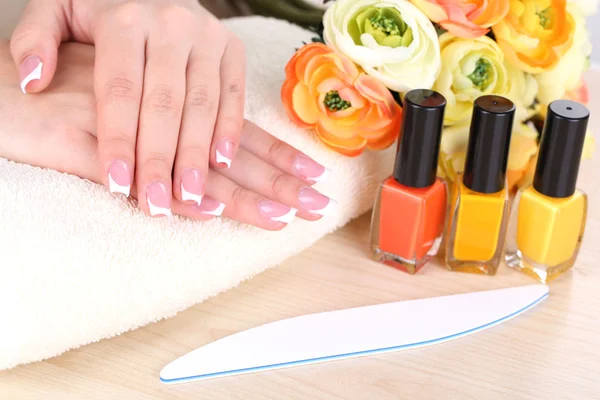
point(56, 129)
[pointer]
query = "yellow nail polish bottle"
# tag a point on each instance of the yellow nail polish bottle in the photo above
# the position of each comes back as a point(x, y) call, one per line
point(548, 217)
point(479, 208)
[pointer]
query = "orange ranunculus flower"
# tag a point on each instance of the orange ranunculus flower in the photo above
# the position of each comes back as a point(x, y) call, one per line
point(535, 34)
point(464, 18)
point(348, 109)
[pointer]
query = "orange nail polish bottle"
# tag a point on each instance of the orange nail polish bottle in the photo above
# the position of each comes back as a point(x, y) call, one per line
point(410, 207)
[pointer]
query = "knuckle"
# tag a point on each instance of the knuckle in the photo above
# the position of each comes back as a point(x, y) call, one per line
point(247, 126)
point(275, 151)
point(128, 14)
point(239, 196)
point(162, 101)
point(235, 87)
point(176, 13)
point(118, 140)
point(199, 98)
point(277, 183)
point(120, 89)
point(157, 161)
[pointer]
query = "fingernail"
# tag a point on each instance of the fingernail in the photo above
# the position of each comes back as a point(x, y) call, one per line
point(159, 199)
point(192, 186)
point(309, 169)
point(224, 153)
point(30, 70)
point(211, 206)
point(316, 203)
point(119, 178)
point(276, 211)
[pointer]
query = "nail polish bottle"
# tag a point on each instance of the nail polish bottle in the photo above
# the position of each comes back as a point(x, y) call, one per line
point(548, 217)
point(410, 207)
point(478, 213)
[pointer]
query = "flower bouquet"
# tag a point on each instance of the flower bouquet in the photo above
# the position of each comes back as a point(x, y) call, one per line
point(348, 84)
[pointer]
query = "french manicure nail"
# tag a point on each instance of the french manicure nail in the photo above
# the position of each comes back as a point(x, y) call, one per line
point(276, 211)
point(316, 203)
point(224, 152)
point(30, 70)
point(119, 178)
point(211, 206)
point(192, 186)
point(159, 199)
point(309, 169)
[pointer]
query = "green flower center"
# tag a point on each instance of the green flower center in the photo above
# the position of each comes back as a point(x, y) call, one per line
point(481, 77)
point(385, 25)
point(545, 17)
point(334, 102)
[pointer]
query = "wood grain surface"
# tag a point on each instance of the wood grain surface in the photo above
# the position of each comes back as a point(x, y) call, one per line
point(551, 352)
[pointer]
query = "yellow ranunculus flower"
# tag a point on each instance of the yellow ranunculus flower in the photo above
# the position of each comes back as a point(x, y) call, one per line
point(523, 91)
point(566, 76)
point(535, 34)
point(523, 148)
point(470, 68)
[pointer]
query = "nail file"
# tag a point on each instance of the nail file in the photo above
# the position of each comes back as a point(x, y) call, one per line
point(353, 332)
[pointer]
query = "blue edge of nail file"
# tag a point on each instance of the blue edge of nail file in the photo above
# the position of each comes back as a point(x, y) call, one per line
point(354, 332)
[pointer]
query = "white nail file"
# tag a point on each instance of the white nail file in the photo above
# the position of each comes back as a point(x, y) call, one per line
point(352, 333)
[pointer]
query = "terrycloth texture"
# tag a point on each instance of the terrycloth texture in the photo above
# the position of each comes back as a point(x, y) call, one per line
point(78, 265)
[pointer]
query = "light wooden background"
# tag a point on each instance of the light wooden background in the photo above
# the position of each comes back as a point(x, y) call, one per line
point(551, 352)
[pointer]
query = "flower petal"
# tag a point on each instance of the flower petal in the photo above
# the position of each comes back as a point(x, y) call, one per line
point(350, 147)
point(351, 95)
point(304, 105)
point(330, 84)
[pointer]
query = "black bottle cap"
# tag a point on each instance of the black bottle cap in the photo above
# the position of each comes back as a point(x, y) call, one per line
point(419, 146)
point(560, 149)
point(489, 142)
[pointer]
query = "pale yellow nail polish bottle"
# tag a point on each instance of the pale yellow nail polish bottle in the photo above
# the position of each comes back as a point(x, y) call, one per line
point(548, 217)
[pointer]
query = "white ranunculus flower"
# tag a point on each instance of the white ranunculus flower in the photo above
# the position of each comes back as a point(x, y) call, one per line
point(567, 74)
point(392, 40)
point(587, 7)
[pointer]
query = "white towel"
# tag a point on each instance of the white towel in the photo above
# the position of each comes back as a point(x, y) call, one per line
point(78, 265)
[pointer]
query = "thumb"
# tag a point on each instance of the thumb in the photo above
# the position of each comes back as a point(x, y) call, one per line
point(34, 43)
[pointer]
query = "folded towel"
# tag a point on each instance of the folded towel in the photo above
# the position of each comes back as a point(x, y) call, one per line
point(78, 265)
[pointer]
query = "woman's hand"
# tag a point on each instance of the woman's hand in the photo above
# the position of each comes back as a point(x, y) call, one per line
point(56, 129)
point(169, 82)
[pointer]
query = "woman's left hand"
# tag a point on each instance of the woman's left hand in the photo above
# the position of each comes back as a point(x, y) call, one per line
point(169, 84)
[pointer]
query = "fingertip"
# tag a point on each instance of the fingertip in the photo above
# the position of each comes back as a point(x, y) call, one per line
point(119, 177)
point(308, 216)
point(223, 153)
point(211, 207)
point(191, 187)
point(158, 199)
point(30, 71)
